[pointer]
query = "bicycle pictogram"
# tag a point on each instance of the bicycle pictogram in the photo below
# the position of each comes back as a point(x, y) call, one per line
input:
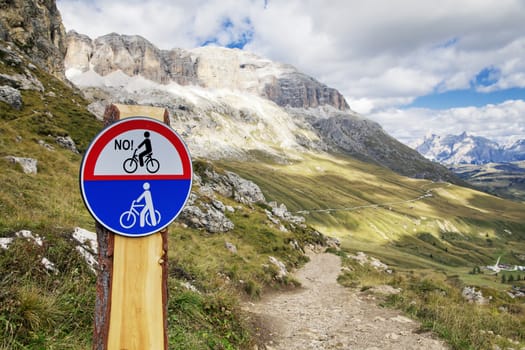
point(144, 158)
point(131, 164)
point(148, 215)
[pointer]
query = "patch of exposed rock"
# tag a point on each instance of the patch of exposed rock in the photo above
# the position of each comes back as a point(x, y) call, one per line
point(5, 242)
point(11, 96)
point(472, 295)
point(87, 246)
point(364, 259)
point(281, 271)
point(36, 27)
point(229, 184)
point(205, 211)
point(67, 143)
point(12, 83)
point(282, 212)
point(297, 90)
point(205, 216)
point(29, 165)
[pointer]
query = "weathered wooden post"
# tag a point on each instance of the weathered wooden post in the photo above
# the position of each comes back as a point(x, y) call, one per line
point(134, 197)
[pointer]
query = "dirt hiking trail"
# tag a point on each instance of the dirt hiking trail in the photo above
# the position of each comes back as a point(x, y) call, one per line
point(324, 315)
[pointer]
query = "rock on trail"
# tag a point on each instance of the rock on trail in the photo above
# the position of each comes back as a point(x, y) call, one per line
point(324, 315)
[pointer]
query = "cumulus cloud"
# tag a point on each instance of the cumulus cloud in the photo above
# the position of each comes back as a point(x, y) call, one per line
point(500, 122)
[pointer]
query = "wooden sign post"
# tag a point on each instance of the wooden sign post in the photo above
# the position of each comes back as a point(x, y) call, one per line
point(131, 303)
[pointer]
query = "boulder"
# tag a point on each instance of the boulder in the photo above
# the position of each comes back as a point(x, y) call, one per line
point(67, 143)
point(282, 212)
point(87, 246)
point(11, 96)
point(231, 247)
point(210, 219)
point(281, 268)
point(29, 165)
point(245, 191)
point(473, 296)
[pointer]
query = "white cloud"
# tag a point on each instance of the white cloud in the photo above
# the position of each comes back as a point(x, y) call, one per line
point(350, 44)
point(497, 122)
point(380, 54)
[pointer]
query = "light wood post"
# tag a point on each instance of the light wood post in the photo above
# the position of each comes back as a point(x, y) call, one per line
point(131, 304)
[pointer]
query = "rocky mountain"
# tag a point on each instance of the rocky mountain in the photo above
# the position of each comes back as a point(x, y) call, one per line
point(229, 103)
point(469, 149)
point(515, 151)
point(36, 27)
point(215, 68)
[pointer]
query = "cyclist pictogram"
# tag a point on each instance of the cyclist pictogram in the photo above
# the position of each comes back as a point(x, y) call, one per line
point(145, 157)
point(147, 215)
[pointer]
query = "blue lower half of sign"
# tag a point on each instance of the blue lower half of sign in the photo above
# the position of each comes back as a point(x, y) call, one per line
point(136, 207)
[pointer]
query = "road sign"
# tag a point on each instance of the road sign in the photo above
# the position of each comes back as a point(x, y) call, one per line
point(136, 176)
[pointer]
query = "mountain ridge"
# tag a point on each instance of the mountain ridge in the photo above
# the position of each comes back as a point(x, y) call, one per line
point(469, 149)
point(210, 67)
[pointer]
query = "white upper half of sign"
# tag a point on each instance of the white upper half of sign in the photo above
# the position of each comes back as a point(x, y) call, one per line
point(125, 148)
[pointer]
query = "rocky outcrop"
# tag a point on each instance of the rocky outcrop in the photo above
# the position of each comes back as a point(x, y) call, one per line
point(11, 96)
point(472, 295)
point(29, 165)
point(67, 143)
point(204, 211)
point(21, 77)
point(280, 268)
point(131, 54)
point(35, 27)
point(301, 91)
point(86, 245)
point(207, 217)
point(228, 185)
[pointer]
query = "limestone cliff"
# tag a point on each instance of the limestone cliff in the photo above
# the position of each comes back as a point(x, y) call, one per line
point(36, 27)
point(210, 67)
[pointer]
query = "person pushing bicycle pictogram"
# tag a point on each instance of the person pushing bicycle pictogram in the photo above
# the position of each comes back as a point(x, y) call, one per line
point(148, 215)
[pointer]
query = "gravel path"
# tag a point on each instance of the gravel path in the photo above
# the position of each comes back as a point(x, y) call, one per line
point(324, 315)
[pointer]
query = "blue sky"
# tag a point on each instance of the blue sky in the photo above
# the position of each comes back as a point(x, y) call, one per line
point(459, 66)
point(466, 97)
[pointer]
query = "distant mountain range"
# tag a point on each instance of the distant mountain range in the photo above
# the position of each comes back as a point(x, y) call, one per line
point(469, 149)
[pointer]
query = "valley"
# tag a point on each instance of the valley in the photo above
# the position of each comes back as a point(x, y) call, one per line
point(505, 180)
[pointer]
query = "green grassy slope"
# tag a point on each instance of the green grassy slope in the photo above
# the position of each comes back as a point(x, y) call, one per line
point(410, 223)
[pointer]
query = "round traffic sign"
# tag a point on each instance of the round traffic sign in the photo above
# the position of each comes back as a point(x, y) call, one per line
point(136, 176)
